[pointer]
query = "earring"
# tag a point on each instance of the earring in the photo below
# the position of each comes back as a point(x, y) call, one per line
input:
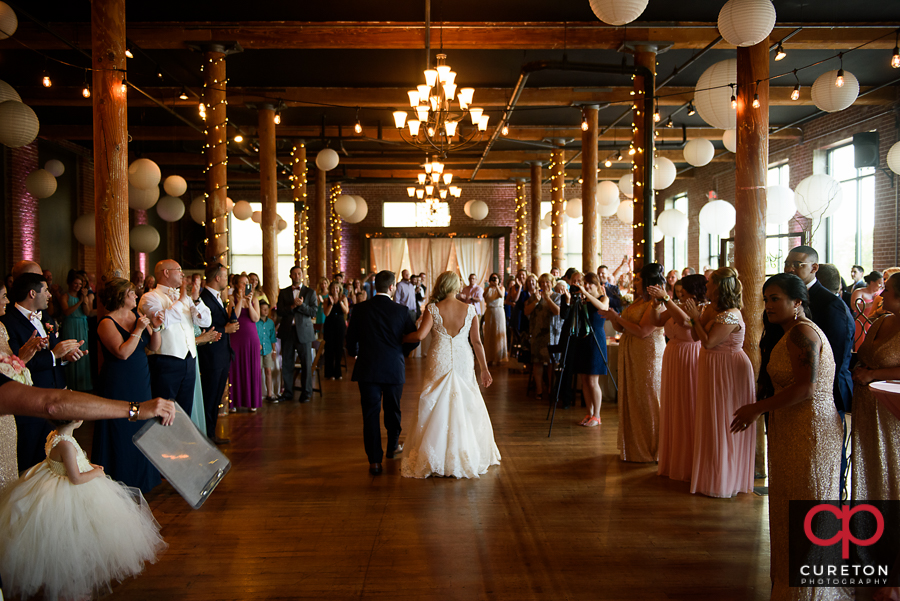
point(796, 314)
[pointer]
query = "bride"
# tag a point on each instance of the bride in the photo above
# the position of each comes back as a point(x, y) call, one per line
point(453, 434)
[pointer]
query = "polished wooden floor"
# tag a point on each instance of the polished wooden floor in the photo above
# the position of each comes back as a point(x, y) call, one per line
point(299, 517)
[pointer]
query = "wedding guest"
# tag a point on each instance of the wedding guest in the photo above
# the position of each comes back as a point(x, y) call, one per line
point(610, 289)
point(862, 305)
point(671, 278)
point(473, 294)
point(554, 273)
point(678, 386)
point(256, 288)
point(214, 354)
point(335, 330)
point(76, 308)
point(246, 366)
point(876, 432)
point(829, 276)
point(321, 293)
point(149, 284)
point(495, 348)
point(804, 428)
point(265, 329)
point(405, 294)
point(688, 271)
point(414, 279)
point(512, 296)
point(540, 309)
point(296, 310)
point(640, 365)
point(589, 351)
point(520, 319)
point(723, 461)
point(125, 376)
point(369, 285)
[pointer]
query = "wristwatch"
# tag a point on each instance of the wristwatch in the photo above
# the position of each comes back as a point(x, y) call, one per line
point(134, 410)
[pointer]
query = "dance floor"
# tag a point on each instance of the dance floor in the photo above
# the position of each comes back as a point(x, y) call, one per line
point(299, 517)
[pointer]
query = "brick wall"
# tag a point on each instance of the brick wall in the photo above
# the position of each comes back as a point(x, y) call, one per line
point(87, 255)
point(22, 239)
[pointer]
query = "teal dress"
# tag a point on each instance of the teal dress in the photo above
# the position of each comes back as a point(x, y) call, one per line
point(75, 327)
point(198, 413)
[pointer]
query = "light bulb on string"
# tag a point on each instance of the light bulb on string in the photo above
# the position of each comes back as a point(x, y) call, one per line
point(46, 80)
point(839, 80)
point(795, 93)
point(733, 98)
point(691, 111)
point(756, 101)
point(505, 130)
point(584, 124)
point(277, 118)
point(895, 57)
point(780, 53)
point(128, 53)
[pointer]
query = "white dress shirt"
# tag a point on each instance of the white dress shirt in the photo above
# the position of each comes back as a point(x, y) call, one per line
point(178, 320)
point(216, 294)
point(36, 323)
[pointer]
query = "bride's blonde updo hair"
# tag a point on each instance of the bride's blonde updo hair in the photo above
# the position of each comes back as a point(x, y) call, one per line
point(447, 284)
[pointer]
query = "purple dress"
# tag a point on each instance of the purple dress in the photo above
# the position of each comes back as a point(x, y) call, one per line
point(246, 366)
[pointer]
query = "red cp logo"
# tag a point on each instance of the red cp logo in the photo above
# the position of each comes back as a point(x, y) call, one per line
point(844, 513)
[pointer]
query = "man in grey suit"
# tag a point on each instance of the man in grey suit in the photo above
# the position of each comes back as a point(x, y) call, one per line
point(297, 308)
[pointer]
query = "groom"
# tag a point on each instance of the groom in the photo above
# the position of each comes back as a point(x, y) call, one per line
point(377, 328)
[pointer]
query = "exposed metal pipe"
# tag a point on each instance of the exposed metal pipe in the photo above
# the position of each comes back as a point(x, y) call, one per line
point(689, 62)
point(785, 39)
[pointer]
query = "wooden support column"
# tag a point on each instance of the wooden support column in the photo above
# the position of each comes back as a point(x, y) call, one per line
point(216, 155)
point(644, 56)
point(521, 226)
point(268, 194)
point(536, 191)
point(752, 164)
point(590, 252)
point(110, 103)
point(298, 195)
point(557, 210)
point(318, 256)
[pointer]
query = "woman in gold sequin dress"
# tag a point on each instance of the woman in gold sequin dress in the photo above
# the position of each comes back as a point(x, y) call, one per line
point(876, 432)
point(640, 366)
point(804, 427)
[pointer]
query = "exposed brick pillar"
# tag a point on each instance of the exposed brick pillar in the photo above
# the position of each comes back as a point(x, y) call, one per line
point(22, 241)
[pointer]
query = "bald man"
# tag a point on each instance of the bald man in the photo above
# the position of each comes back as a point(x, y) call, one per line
point(173, 367)
point(25, 266)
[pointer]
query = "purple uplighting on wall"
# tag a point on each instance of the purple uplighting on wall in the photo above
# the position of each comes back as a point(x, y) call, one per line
point(24, 211)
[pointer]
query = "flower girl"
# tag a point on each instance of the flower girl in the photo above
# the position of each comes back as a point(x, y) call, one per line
point(67, 528)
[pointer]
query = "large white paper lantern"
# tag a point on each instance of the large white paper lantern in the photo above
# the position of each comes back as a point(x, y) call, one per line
point(574, 208)
point(746, 22)
point(256, 217)
point(672, 222)
point(618, 12)
point(327, 159)
point(144, 238)
point(547, 220)
point(8, 21)
point(198, 210)
point(85, 229)
point(7, 92)
point(175, 185)
point(893, 158)
point(780, 207)
point(229, 205)
point(657, 235)
point(344, 205)
point(19, 124)
point(626, 185)
point(55, 167)
point(664, 173)
point(699, 152)
point(818, 196)
point(144, 174)
point(170, 208)
point(362, 209)
point(479, 210)
point(729, 140)
point(281, 225)
point(242, 210)
point(608, 209)
point(712, 96)
point(40, 183)
point(467, 208)
point(625, 212)
point(607, 193)
point(830, 98)
point(718, 217)
point(140, 199)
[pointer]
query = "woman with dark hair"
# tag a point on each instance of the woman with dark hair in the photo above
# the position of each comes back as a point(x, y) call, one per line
point(76, 306)
point(862, 305)
point(245, 371)
point(804, 427)
point(640, 365)
point(678, 387)
point(336, 308)
point(589, 359)
point(495, 322)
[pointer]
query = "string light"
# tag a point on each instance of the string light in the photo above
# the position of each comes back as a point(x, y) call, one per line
point(756, 101)
point(183, 95)
point(128, 53)
point(584, 123)
point(86, 90)
point(691, 111)
point(277, 118)
point(505, 130)
point(733, 98)
point(608, 163)
point(895, 57)
point(124, 87)
point(780, 53)
point(46, 80)
point(839, 80)
point(656, 115)
point(239, 138)
point(795, 93)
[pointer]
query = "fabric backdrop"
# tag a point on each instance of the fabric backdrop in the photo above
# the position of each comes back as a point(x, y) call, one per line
point(387, 253)
point(474, 255)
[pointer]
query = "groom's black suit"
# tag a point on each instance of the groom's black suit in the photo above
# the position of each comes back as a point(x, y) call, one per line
point(377, 328)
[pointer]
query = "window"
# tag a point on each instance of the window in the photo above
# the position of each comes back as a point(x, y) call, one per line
point(777, 248)
point(709, 251)
point(676, 246)
point(849, 232)
point(246, 244)
point(573, 233)
point(415, 214)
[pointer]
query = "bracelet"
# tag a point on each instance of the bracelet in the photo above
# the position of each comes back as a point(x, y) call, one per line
point(135, 335)
point(666, 298)
point(134, 410)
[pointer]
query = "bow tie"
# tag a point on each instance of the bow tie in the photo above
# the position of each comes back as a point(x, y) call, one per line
point(34, 315)
point(172, 293)
point(296, 287)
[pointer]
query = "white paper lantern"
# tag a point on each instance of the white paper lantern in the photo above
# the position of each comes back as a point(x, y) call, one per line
point(780, 207)
point(729, 139)
point(7, 92)
point(170, 208)
point(746, 22)
point(144, 238)
point(256, 217)
point(657, 235)
point(140, 199)
point(175, 185)
point(479, 210)
point(144, 174)
point(229, 205)
point(607, 193)
point(344, 205)
point(664, 173)
point(55, 167)
point(893, 158)
point(830, 98)
point(242, 210)
point(574, 208)
point(327, 159)
point(618, 12)
point(362, 209)
point(625, 212)
point(198, 210)
point(547, 221)
point(626, 185)
point(40, 183)
point(85, 229)
point(281, 225)
point(467, 208)
point(672, 222)
point(8, 21)
point(818, 196)
point(699, 152)
point(608, 209)
point(718, 217)
point(19, 124)
point(712, 96)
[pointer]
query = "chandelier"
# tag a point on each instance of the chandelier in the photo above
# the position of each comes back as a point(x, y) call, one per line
point(433, 189)
point(435, 126)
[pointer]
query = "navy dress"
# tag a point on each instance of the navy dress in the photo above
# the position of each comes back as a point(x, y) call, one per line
point(588, 359)
point(124, 380)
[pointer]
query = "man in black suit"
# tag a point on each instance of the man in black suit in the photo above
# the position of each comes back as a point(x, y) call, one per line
point(612, 291)
point(296, 308)
point(32, 331)
point(215, 357)
point(377, 328)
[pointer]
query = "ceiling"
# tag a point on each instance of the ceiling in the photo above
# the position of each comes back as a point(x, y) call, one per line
point(326, 63)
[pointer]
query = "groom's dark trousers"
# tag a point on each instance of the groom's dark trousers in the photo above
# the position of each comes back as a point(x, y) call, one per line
point(377, 328)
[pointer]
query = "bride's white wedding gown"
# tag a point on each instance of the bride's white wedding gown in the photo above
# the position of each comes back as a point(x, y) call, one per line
point(453, 434)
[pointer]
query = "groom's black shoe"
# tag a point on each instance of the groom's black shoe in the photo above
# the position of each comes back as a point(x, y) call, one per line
point(395, 451)
point(375, 468)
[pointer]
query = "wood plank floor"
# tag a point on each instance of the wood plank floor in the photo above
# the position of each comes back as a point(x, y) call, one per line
point(299, 517)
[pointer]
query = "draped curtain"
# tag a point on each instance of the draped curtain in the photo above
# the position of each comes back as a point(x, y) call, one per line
point(438, 259)
point(387, 253)
point(418, 254)
point(474, 255)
